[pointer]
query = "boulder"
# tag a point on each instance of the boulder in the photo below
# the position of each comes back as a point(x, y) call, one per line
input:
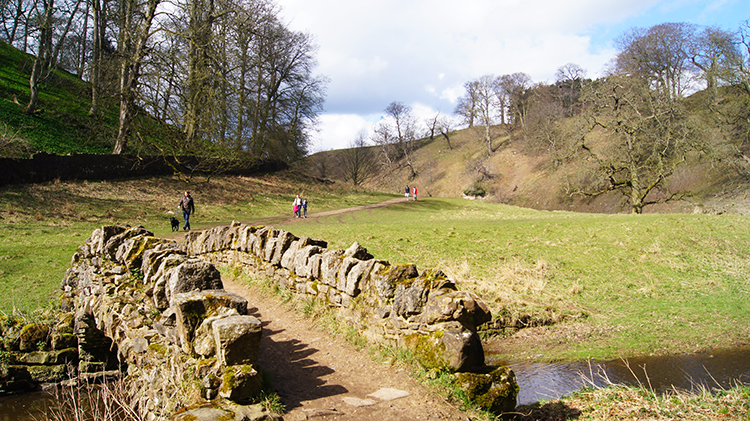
point(113, 243)
point(329, 266)
point(346, 266)
point(204, 343)
point(48, 373)
point(447, 346)
point(464, 307)
point(494, 390)
point(204, 413)
point(358, 252)
point(153, 258)
point(261, 235)
point(301, 264)
point(410, 298)
point(313, 266)
point(192, 307)
point(161, 279)
point(33, 337)
point(283, 241)
point(130, 252)
point(356, 275)
point(193, 275)
point(240, 383)
point(237, 339)
point(289, 256)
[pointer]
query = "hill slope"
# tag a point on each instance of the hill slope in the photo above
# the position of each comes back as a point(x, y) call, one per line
point(518, 173)
point(62, 123)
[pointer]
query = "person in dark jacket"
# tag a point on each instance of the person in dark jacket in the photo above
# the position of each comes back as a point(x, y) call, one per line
point(187, 206)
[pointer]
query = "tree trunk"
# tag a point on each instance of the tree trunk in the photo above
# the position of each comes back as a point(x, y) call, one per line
point(95, 57)
point(131, 67)
point(43, 52)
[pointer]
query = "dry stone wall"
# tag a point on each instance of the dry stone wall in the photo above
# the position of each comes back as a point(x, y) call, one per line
point(156, 311)
point(140, 306)
point(423, 311)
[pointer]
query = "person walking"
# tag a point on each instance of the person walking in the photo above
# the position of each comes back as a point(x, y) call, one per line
point(187, 205)
point(304, 207)
point(296, 206)
point(407, 190)
point(414, 193)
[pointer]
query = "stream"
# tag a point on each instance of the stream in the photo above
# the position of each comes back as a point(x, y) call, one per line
point(545, 381)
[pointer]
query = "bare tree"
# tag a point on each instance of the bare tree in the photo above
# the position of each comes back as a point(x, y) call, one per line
point(404, 127)
point(712, 51)
point(16, 16)
point(467, 108)
point(43, 54)
point(659, 54)
point(569, 82)
point(96, 56)
point(648, 135)
point(133, 38)
point(488, 106)
point(517, 88)
point(358, 160)
point(445, 126)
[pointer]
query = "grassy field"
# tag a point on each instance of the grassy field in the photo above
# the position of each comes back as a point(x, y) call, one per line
point(598, 286)
point(617, 285)
point(42, 225)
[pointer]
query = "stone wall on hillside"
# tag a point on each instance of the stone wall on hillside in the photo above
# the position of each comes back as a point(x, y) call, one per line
point(47, 167)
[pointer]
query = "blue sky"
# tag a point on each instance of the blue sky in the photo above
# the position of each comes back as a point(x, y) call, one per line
point(421, 52)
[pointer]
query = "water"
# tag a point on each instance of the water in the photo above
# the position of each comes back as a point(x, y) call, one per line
point(719, 369)
point(28, 406)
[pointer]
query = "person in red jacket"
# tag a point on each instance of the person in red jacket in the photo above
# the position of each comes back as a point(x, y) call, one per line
point(414, 193)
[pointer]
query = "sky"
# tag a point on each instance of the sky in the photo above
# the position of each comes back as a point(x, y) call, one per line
point(421, 52)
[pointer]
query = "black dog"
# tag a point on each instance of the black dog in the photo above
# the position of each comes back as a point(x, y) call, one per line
point(175, 223)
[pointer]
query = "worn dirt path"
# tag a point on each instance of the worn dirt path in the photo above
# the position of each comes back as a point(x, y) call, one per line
point(321, 377)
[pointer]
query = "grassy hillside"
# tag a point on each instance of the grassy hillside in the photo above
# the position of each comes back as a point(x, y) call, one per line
point(62, 124)
point(521, 173)
point(595, 285)
point(591, 285)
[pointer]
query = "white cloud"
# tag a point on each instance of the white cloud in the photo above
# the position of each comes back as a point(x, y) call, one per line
point(337, 131)
point(422, 51)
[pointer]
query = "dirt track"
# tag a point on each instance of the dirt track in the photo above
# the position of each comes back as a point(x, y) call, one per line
point(322, 377)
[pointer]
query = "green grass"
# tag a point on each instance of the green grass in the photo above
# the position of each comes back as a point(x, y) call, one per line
point(617, 403)
point(615, 286)
point(42, 225)
point(632, 284)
